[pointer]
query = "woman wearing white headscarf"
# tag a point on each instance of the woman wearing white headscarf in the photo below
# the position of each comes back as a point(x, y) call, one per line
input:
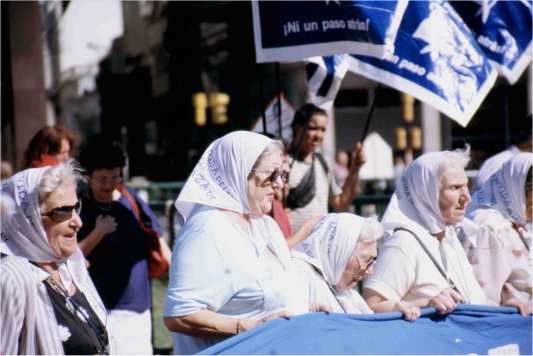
point(501, 254)
point(49, 303)
point(421, 260)
point(231, 268)
point(335, 257)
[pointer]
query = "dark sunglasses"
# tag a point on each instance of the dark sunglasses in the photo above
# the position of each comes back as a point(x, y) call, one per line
point(273, 175)
point(63, 213)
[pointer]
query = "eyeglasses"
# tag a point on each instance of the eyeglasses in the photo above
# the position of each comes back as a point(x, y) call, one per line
point(63, 213)
point(368, 263)
point(273, 175)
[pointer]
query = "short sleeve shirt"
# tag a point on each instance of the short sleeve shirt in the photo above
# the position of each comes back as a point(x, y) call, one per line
point(217, 267)
point(325, 188)
point(405, 272)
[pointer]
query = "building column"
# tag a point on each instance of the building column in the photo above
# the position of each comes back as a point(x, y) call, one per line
point(431, 128)
point(29, 95)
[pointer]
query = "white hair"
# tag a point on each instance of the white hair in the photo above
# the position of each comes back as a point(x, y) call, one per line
point(272, 147)
point(62, 174)
point(452, 159)
point(370, 232)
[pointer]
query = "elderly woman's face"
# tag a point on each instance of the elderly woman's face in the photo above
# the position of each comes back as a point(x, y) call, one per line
point(261, 187)
point(61, 234)
point(453, 194)
point(359, 266)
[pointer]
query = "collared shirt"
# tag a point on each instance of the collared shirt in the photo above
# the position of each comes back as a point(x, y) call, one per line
point(219, 267)
point(28, 322)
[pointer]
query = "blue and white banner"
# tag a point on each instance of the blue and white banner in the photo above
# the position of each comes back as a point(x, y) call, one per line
point(295, 30)
point(324, 78)
point(436, 60)
point(503, 31)
point(469, 330)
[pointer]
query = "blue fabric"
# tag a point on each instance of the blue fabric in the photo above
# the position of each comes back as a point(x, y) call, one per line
point(503, 31)
point(118, 264)
point(294, 30)
point(470, 329)
point(444, 68)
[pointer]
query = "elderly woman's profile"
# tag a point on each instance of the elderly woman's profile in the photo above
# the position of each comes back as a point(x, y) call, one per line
point(421, 261)
point(231, 268)
point(49, 303)
point(336, 256)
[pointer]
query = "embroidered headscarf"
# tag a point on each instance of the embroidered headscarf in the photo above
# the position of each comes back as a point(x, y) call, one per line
point(22, 229)
point(23, 233)
point(415, 203)
point(504, 191)
point(329, 248)
point(220, 178)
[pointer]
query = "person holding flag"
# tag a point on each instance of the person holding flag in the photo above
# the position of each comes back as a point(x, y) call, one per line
point(312, 186)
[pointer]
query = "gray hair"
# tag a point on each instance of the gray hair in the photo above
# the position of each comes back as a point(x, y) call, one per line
point(63, 174)
point(456, 158)
point(372, 231)
point(272, 147)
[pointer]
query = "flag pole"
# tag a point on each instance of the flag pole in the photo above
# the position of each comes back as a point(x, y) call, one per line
point(278, 87)
point(370, 113)
point(262, 98)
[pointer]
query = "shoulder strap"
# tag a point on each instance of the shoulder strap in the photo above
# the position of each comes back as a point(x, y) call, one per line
point(322, 161)
point(439, 268)
point(135, 206)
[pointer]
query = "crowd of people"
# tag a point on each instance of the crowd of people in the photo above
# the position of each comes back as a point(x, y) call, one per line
point(266, 233)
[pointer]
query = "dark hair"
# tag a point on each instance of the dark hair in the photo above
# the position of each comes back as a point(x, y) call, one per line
point(101, 153)
point(303, 115)
point(48, 141)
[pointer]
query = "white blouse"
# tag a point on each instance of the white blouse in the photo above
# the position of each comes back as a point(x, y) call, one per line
point(499, 256)
point(218, 267)
point(403, 271)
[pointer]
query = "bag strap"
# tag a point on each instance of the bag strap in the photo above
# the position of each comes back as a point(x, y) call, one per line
point(322, 161)
point(439, 268)
point(304, 192)
point(135, 206)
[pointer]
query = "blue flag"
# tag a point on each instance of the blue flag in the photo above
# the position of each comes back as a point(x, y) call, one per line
point(470, 329)
point(324, 78)
point(436, 60)
point(295, 30)
point(503, 31)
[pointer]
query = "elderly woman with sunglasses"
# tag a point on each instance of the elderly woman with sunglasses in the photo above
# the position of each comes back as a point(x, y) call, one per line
point(335, 257)
point(421, 261)
point(49, 303)
point(231, 268)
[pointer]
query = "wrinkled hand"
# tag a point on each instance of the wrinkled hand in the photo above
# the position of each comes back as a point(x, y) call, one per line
point(318, 307)
point(446, 301)
point(409, 311)
point(524, 307)
point(358, 157)
point(105, 224)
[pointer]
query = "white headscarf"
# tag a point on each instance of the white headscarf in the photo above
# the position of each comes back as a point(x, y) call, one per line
point(23, 232)
point(415, 203)
point(220, 178)
point(504, 191)
point(329, 248)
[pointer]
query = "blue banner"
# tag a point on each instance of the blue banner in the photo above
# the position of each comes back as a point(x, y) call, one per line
point(436, 60)
point(324, 78)
point(295, 30)
point(469, 330)
point(503, 31)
